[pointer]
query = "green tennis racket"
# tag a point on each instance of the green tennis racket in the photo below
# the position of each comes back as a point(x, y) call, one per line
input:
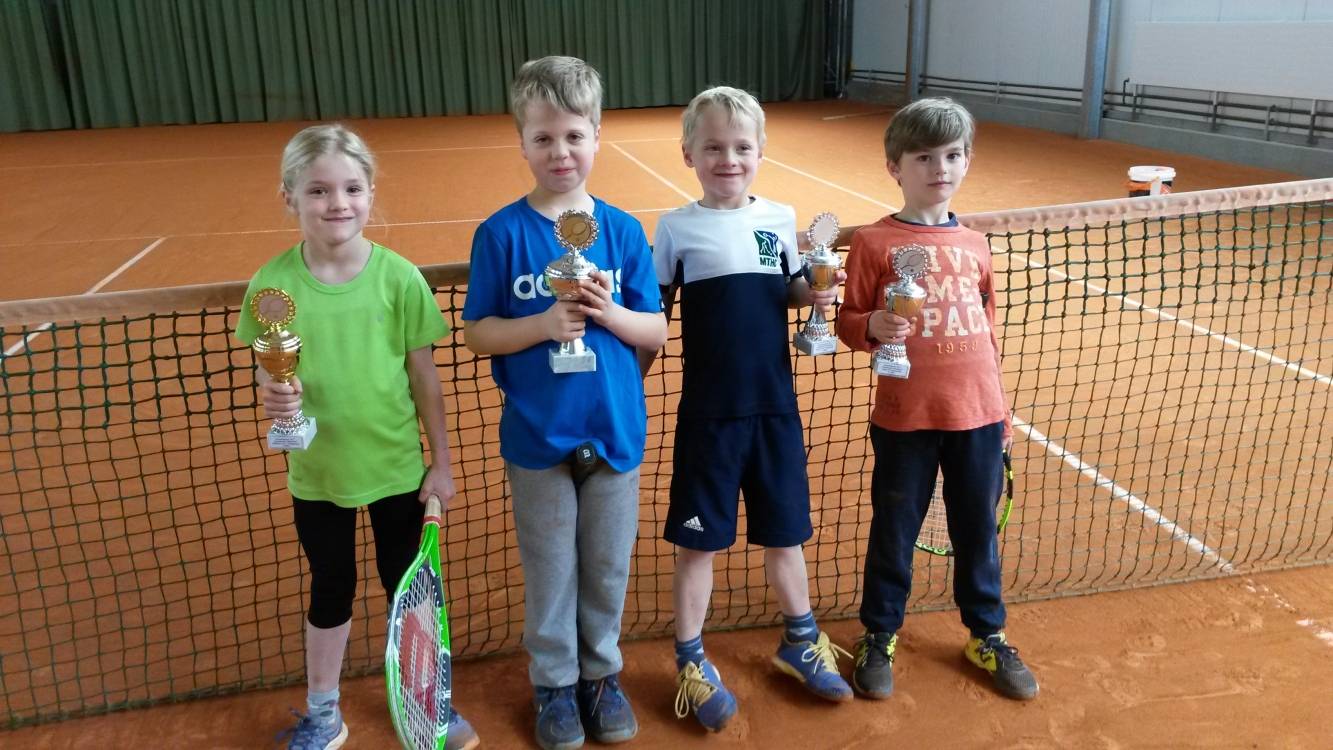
point(416, 659)
point(934, 534)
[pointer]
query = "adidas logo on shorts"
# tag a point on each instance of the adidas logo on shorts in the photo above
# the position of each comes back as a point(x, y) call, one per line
point(693, 524)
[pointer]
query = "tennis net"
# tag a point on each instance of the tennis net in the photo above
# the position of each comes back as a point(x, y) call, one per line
point(1169, 360)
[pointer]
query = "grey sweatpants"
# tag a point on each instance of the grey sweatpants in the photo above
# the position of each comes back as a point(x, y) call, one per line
point(576, 530)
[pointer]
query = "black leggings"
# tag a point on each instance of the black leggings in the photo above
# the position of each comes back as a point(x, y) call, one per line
point(328, 536)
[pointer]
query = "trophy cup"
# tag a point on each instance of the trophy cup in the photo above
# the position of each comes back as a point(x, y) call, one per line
point(575, 231)
point(820, 267)
point(278, 351)
point(904, 299)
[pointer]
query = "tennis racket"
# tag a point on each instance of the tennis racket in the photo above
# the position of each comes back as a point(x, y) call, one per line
point(934, 534)
point(416, 659)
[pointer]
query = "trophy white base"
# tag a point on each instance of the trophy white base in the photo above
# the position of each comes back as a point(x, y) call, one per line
point(814, 346)
point(892, 368)
point(292, 440)
point(584, 361)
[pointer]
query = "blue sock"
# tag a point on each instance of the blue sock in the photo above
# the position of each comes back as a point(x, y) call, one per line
point(689, 651)
point(322, 707)
point(802, 628)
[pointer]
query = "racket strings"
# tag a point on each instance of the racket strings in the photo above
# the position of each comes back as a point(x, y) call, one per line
point(415, 646)
point(935, 526)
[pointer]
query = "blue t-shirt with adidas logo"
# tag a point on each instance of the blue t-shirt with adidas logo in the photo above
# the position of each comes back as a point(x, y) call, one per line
point(547, 415)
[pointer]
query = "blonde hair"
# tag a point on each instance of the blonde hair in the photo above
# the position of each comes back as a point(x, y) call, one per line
point(567, 83)
point(318, 140)
point(928, 123)
point(735, 102)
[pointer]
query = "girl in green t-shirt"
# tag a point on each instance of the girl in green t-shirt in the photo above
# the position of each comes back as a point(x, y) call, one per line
point(367, 319)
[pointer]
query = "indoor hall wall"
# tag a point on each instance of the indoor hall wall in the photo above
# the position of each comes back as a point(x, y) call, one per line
point(1272, 48)
point(1275, 47)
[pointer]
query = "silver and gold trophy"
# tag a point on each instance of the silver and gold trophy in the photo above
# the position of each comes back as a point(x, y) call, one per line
point(820, 267)
point(278, 350)
point(576, 231)
point(904, 299)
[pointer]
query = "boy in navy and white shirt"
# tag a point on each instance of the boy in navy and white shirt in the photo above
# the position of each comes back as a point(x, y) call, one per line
point(734, 259)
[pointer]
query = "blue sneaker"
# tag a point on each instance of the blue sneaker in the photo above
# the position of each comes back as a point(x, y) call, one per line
point(607, 714)
point(461, 734)
point(558, 726)
point(815, 664)
point(699, 688)
point(311, 733)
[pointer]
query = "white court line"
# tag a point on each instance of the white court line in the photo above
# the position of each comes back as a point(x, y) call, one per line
point(1162, 314)
point(1124, 495)
point(654, 173)
point(833, 185)
point(94, 289)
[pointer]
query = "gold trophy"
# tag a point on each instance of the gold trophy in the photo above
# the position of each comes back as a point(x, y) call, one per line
point(904, 299)
point(278, 350)
point(820, 267)
point(575, 231)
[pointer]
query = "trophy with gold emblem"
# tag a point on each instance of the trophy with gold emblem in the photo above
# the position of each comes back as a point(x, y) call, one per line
point(277, 351)
point(575, 231)
point(820, 267)
point(904, 299)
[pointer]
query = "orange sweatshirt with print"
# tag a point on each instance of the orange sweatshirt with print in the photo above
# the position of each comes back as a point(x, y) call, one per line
point(955, 378)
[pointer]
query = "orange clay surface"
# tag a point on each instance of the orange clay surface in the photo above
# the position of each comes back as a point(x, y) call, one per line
point(1235, 662)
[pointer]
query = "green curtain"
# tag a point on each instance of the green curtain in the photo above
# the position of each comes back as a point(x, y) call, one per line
point(32, 87)
point(108, 63)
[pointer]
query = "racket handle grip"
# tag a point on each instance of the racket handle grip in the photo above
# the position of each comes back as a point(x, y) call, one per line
point(433, 507)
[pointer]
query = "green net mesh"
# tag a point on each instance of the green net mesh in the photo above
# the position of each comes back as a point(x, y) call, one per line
point(1170, 378)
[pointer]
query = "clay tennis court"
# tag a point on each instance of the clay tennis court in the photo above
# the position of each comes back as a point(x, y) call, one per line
point(191, 586)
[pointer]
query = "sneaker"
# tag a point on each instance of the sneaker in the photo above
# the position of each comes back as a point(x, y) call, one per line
point(558, 726)
point(815, 664)
point(461, 734)
point(311, 733)
point(994, 654)
point(699, 689)
point(607, 714)
point(873, 676)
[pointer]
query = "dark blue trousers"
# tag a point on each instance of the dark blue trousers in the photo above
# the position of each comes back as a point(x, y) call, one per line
point(906, 465)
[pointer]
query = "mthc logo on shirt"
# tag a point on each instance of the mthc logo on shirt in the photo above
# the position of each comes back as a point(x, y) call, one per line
point(530, 286)
point(768, 248)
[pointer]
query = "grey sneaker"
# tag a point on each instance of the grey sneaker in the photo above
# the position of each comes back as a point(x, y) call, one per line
point(1011, 676)
point(873, 675)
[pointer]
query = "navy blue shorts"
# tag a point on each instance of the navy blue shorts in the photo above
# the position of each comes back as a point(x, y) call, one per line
point(760, 457)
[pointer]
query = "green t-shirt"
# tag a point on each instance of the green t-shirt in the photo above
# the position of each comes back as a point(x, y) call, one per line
point(353, 369)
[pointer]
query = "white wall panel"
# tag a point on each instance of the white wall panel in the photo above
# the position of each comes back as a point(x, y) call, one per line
point(1223, 45)
point(1022, 41)
point(1273, 59)
point(1185, 10)
point(879, 35)
point(1318, 10)
point(1269, 10)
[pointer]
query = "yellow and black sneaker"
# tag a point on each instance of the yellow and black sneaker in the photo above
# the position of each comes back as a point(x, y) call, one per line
point(873, 676)
point(994, 654)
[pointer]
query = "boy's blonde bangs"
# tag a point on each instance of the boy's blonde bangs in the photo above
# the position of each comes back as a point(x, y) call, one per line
point(566, 83)
point(926, 124)
point(735, 102)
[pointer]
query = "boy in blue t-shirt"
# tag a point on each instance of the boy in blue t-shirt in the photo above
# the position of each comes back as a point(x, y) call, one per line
point(572, 442)
point(733, 257)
